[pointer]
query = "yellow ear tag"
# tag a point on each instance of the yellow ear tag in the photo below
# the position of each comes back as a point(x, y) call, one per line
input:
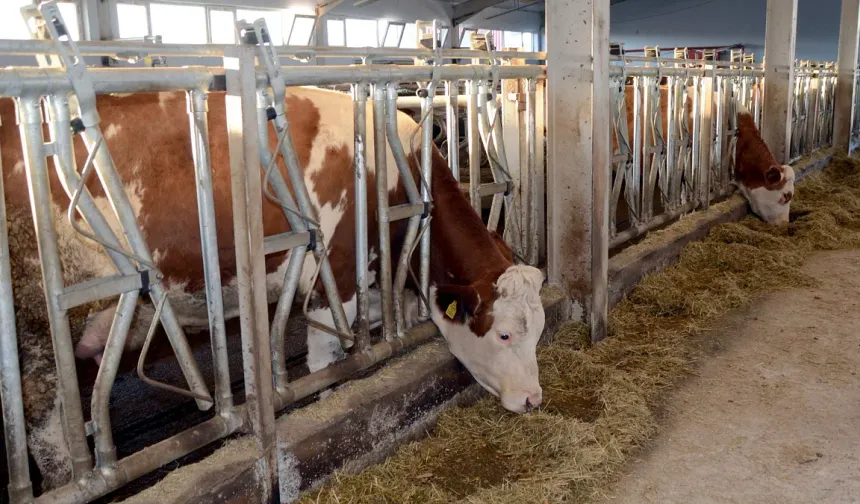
point(452, 310)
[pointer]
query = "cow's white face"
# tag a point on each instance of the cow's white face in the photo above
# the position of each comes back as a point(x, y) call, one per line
point(772, 201)
point(493, 329)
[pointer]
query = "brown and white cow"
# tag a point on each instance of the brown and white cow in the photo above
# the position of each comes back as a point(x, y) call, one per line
point(767, 185)
point(487, 308)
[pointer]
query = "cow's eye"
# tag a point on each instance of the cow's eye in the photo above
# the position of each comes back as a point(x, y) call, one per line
point(505, 336)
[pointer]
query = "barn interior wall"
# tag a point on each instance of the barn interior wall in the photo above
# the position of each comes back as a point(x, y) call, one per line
point(671, 23)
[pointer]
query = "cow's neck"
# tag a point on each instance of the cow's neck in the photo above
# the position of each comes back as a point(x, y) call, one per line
point(462, 249)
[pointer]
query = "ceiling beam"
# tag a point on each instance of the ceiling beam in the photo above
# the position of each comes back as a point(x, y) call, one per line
point(467, 9)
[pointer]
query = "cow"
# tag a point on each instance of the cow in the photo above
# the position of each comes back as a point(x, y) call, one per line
point(767, 185)
point(487, 308)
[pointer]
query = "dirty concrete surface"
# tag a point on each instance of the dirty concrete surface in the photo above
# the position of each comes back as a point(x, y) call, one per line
point(773, 415)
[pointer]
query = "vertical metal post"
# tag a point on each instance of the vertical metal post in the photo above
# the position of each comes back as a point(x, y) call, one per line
point(11, 399)
point(706, 137)
point(845, 67)
point(427, 174)
point(198, 109)
point(474, 147)
point(239, 62)
point(297, 255)
point(513, 123)
point(102, 433)
point(531, 219)
point(780, 31)
point(812, 111)
point(380, 154)
point(540, 165)
point(452, 92)
point(579, 126)
point(359, 99)
point(30, 121)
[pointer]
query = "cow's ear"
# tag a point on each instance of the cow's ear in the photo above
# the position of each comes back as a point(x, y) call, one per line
point(458, 303)
point(773, 176)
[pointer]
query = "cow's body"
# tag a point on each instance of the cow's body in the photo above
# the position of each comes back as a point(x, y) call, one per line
point(767, 185)
point(148, 136)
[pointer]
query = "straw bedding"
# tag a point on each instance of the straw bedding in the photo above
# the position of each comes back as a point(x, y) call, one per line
point(601, 401)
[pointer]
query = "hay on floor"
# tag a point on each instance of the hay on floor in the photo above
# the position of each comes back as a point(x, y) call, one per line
point(600, 401)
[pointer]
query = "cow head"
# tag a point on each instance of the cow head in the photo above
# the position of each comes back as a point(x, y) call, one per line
point(772, 200)
point(493, 328)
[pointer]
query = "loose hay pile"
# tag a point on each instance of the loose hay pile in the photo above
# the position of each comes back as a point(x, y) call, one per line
point(600, 401)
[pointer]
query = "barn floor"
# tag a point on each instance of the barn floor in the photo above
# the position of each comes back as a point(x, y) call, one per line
point(773, 415)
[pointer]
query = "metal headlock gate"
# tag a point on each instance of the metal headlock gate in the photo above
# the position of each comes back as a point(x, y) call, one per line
point(256, 97)
point(687, 157)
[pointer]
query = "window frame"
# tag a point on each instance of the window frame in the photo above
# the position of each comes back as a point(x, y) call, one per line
point(401, 24)
point(293, 26)
point(285, 36)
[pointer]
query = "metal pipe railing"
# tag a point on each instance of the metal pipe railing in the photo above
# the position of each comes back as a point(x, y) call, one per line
point(12, 407)
point(123, 49)
point(30, 120)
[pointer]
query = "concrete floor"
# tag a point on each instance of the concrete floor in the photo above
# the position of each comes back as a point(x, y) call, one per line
point(774, 415)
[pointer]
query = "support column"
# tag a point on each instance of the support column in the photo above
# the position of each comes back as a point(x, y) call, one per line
point(578, 129)
point(247, 197)
point(780, 31)
point(846, 65)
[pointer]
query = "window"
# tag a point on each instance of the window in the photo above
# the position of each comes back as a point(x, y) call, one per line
point(519, 40)
point(178, 24)
point(222, 27)
point(410, 37)
point(528, 41)
point(361, 33)
point(392, 35)
point(513, 39)
point(12, 25)
point(302, 30)
point(274, 21)
point(335, 32)
point(133, 20)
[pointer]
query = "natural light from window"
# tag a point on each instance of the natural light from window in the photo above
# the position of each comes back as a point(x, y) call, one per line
point(392, 34)
point(334, 29)
point(410, 37)
point(132, 20)
point(12, 25)
point(303, 28)
point(361, 33)
point(222, 29)
point(178, 24)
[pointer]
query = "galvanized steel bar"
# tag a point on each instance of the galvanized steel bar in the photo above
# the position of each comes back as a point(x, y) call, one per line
point(102, 434)
point(199, 126)
point(94, 485)
point(452, 102)
point(20, 489)
point(19, 81)
point(426, 195)
point(121, 49)
point(380, 154)
point(414, 197)
point(474, 147)
point(531, 177)
point(635, 182)
point(115, 190)
point(359, 99)
point(706, 141)
point(250, 263)
point(297, 255)
point(30, 121)
point(332, 75)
